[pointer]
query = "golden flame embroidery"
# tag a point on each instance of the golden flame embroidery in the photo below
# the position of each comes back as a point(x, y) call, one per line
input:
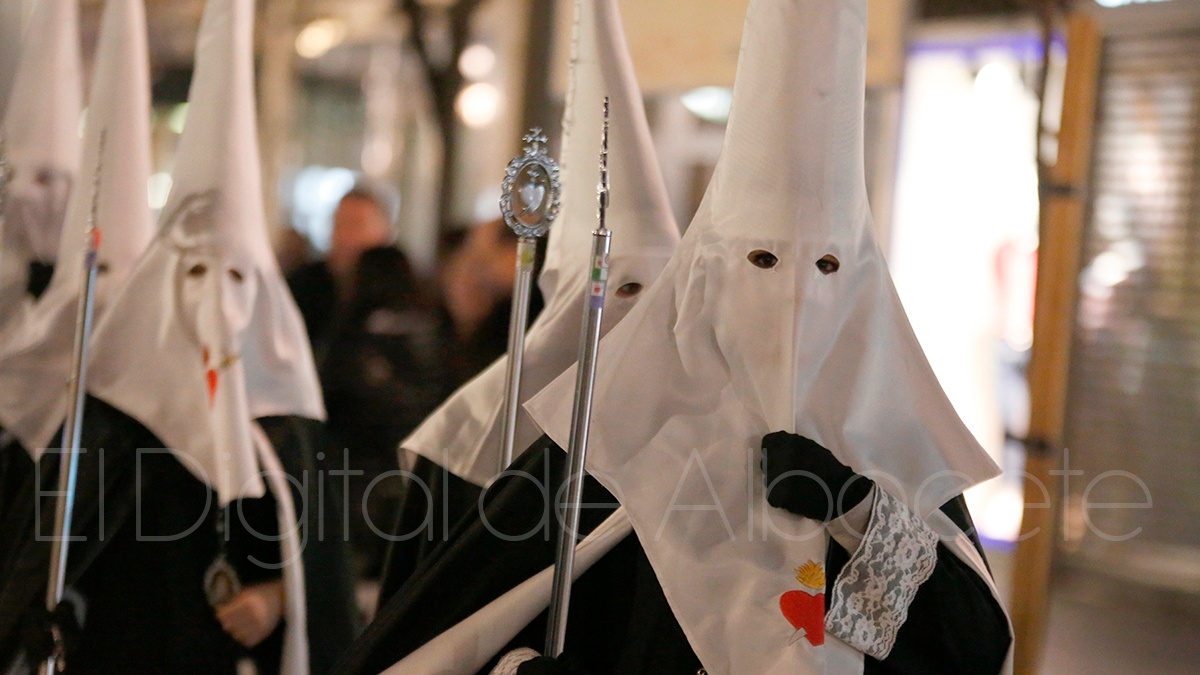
point(811, 575)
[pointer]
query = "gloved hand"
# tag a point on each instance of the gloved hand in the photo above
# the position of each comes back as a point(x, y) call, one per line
point(804, 478)
point(48, 634)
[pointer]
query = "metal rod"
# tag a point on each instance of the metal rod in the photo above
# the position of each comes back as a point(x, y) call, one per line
point(529, 202)
point(522, 284)
point(581, 416)
point(68, 469)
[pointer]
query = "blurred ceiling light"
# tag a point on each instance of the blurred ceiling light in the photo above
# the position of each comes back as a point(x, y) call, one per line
point(177, 118)
point(710, 104)
point(477, 61)
point(478, 104)
point(995, 80)
point(319, 36)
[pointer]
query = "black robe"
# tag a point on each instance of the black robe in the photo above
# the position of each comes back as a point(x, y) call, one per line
point(434, 501)
point(16, 467)
point(146, 610)
point(619, 620)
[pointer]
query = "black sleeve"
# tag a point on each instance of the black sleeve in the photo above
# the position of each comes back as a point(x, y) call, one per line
point(252, 539)
point(954, 624)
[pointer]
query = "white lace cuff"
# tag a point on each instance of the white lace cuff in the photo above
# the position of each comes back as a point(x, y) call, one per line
point(873, 592)
point(511, 661)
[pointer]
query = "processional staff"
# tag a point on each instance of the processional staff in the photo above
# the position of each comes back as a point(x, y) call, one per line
point(531, 195)
point(581, 415)
point(68, 468)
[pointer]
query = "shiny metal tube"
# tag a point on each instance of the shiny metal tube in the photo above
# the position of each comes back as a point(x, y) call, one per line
point(529, 202)
point(68, 468)
point(522, 284)
point(581, 417)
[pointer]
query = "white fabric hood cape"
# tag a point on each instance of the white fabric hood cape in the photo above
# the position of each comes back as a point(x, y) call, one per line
point(12, 31)
point(463, 435)
point(204, 338)
point(747, 333)
point(36, 360)
point(42, 147)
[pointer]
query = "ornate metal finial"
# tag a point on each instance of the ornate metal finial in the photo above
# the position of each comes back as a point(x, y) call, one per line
point(92, 232)
point(531, 190)
point(535, 140)
point(95, 207)
point(602, 189)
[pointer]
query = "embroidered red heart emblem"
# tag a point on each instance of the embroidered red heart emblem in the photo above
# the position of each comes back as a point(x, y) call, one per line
point(806, 613)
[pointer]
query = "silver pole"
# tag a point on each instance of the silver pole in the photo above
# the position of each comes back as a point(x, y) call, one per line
point(522, 284)
point(68, 468)
point(529, 204)
point(581, 417)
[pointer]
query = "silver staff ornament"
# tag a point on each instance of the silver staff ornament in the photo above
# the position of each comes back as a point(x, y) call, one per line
point(585, 384)
point(530, 199)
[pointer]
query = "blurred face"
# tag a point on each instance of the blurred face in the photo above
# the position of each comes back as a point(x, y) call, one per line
point(37, 204)
point(358, 225)
point(478, 275)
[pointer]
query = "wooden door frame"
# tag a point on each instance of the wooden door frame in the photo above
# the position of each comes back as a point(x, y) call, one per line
point(1063, 212)
point(1064, 209)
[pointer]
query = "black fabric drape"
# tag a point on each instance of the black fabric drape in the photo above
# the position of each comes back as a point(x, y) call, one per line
point(434, 501)
point(150, 530)
point(512, 538)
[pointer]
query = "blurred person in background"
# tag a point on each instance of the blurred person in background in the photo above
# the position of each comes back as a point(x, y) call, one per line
point(476, 278)
point(376, 338)
point(477, 284)
point(361, 221)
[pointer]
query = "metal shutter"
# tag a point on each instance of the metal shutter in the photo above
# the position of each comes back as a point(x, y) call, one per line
point(1134, 384)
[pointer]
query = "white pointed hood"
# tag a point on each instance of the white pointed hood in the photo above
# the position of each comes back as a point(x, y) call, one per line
point(36, 360)
point(12, 31)
point(205, 337)
point(723, 351)
point(42, 146)
point(464, 434)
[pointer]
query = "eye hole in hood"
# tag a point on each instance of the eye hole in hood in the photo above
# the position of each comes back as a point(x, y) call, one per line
point(629, 290)
point(829, 264)
point(763, 259)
